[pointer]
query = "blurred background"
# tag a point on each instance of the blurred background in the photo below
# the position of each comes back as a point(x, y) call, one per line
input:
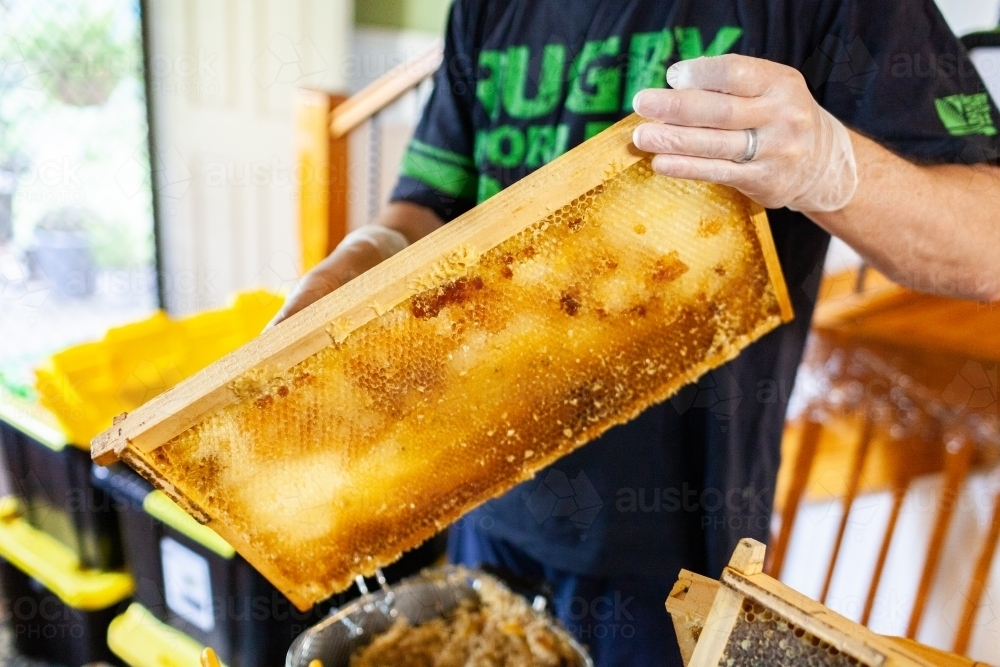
point(94, 232)
point(155, 156)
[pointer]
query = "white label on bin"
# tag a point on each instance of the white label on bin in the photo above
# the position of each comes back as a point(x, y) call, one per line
point(187, 585)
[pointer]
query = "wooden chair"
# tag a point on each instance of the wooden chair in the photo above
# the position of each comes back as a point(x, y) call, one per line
point(934, 412)
point(323, 124)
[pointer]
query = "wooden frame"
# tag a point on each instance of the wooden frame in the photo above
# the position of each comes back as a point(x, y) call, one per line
point(387, 285)
point(704, 612)
point(323, 123)
point(689, 602)
point(545, 208)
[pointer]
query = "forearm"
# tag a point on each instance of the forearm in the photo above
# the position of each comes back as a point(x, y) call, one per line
point(411, 220)
point(353, 257)
point(348, 261)
point(936, 229)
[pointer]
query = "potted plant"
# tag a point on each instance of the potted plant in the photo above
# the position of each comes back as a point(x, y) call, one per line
point(79, 61)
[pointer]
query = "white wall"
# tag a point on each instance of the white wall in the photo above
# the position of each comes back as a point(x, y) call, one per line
point(224, 75)
point(965, 16)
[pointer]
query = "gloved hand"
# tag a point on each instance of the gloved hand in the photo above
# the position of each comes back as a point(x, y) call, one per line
point(359, 251)
point(801, 157)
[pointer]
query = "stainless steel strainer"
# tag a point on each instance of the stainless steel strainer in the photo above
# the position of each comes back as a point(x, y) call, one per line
point(418, 599)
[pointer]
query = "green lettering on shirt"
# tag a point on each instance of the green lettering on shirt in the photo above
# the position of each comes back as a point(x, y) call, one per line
point(594, 128)
point(445, 171)
point(546, 143)
point(488, 186)
point(689, 43)
point(647, 63)
point(488, 88)
point(505, 146)
point(515, 79)
point(604, 81)
point(589, 88)
point(963, 115)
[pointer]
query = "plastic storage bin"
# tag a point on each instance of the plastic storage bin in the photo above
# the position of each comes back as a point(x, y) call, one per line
point(86, 386)
point(190, 579)
point(59, 612)
point(46, 444)
point(142, 640)
point(52, 480)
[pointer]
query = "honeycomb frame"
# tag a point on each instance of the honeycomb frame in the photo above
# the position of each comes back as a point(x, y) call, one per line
point(748, 619)
point(564, 305)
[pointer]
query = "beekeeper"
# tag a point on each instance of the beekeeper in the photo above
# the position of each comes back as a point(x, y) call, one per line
point(860, 119)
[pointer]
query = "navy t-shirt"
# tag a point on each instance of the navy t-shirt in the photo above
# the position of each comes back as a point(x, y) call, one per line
point(525, 80)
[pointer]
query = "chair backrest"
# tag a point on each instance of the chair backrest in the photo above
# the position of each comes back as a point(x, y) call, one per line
point(896, 395)
point(324, 122)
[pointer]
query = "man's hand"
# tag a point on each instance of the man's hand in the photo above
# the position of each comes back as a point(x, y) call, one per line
point(932, 228)
point(751, 124)
point(401, 224)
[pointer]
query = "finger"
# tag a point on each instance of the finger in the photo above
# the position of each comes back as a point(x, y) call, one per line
point(744, 177)
point(691, 141)
point(310, 289)
point(700, 108)
point(732, 74)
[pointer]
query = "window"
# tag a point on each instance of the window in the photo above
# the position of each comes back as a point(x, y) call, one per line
point(77, 248)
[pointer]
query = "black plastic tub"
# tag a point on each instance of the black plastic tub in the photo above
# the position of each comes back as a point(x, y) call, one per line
point(45, 628)
point(52, 480)
point(191, 579)
point(57, 610)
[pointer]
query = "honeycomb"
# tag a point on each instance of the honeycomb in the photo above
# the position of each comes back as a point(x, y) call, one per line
point(497, 365)
point(498, 627)
point(761, 638)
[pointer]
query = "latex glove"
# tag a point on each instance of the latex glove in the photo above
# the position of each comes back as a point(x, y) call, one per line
point(805, 159)
point(359, 251)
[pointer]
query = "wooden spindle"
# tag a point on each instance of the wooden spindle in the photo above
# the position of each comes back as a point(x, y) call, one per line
point(980, 577)
point(958, 458)
point(804, 458)
point(900, 487)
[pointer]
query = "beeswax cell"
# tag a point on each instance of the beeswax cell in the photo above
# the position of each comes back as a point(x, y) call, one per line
point(762, 637)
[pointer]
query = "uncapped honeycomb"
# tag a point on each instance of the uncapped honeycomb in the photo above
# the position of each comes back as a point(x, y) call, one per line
point(497, 365)
point(497, 627)
point(761, 638)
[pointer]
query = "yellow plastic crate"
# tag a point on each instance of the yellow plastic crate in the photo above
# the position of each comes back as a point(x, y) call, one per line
point(49, 562)
point(141, 640)
point(87, 385)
